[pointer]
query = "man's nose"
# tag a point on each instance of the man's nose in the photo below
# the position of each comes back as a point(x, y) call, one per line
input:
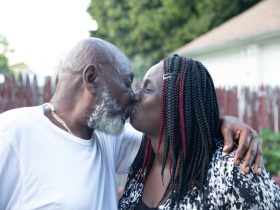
point(135, 97)
point(132, 97)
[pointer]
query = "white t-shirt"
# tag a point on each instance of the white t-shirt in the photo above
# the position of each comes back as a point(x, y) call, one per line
point(44, 167)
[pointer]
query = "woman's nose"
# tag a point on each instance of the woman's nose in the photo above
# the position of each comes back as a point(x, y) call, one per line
point(132, 97)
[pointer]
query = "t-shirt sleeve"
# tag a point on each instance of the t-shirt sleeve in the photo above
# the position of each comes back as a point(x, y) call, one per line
point(9, 173)
point(127, 149)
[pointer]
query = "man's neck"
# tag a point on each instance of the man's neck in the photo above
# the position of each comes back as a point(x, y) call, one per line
point(72, 116)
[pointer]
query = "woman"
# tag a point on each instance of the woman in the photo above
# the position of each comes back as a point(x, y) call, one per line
point(180, 164)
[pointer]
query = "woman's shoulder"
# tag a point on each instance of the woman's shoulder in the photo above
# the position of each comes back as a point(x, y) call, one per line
point(217, 184)
point(227, 186)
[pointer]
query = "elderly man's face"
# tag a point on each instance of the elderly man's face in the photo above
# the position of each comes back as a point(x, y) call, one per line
point(116, 100)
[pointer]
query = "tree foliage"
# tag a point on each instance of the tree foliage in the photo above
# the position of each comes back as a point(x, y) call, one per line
point(271, 150)
point(149, 30)
point(5, 66)
point(4, 62)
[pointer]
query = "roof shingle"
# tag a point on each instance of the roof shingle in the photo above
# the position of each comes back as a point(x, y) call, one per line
point(262, 18)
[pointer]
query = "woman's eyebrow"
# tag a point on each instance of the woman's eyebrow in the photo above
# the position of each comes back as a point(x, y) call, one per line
point(146, 81)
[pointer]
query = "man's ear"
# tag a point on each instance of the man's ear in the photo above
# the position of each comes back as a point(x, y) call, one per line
point(91, 76)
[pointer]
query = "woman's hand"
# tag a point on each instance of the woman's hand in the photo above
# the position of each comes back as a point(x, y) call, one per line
point(249, 148)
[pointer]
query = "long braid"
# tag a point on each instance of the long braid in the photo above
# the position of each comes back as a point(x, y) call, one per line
point(144, 159)
point(181, 108)
point(162, 116)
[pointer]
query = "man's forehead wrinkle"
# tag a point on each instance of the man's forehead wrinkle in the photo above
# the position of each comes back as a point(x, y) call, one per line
point(94, 50)
point(112, 54)
point(87, 51)
point(120, 60)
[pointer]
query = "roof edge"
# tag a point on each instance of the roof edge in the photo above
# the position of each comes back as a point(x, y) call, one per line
point(232, 43)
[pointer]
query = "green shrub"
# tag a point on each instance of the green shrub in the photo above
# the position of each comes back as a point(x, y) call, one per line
point(271, 150)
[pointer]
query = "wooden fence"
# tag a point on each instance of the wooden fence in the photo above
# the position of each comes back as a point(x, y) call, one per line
point(24, 92)
point(259, 107)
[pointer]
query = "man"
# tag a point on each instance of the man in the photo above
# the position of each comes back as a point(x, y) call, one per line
point(64, 154)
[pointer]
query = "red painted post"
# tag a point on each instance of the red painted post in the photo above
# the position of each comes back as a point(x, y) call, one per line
point(255, 111)
point(245, 116)
point(1, 96)
point(270, 107)
point(20, 95)
point(35, 92)
point(47, 90)
point(262, 110)
point(278, 104)
point(28, 96)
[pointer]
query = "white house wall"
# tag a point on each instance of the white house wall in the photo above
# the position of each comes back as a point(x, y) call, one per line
point(249, 64)
point(271, 62)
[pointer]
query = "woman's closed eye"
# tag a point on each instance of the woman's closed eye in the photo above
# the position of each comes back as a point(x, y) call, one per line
point(147, 89)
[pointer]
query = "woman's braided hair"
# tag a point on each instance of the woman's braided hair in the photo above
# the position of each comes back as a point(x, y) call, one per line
point(190, 123)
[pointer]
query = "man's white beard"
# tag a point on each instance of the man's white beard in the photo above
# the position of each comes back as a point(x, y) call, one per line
point(103, 117)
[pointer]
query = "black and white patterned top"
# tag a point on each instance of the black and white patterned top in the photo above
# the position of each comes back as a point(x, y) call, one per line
point(226, 188)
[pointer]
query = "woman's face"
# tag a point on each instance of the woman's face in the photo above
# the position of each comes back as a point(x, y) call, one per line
point(146, 114)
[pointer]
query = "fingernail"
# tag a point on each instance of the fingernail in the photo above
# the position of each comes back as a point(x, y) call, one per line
point(259, 171)
point(224, 154)
point(224, 151)
point(246, 170)
point(237, 162)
